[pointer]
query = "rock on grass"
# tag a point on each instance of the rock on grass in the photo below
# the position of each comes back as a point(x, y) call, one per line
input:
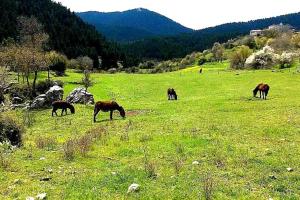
point(133, 188)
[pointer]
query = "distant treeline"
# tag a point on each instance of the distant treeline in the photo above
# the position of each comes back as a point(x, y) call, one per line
point(165, 48)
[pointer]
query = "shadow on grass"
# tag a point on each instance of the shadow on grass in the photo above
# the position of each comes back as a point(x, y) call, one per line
point(253, 99)
point(108, 120)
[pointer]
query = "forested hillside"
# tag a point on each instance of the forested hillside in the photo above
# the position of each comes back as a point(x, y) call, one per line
point(133, 24)
point(68, 33)
point(181, 45)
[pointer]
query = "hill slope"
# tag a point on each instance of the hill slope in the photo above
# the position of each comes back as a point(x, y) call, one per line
point(181, 45)
point(68, 33)
point(239, 141)
point(133, 24)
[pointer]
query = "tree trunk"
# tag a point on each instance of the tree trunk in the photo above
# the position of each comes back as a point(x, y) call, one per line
point(34, 82)
point(27, 80)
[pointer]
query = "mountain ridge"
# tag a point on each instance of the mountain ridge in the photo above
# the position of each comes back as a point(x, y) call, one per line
point(148, 23)
point(166, 48)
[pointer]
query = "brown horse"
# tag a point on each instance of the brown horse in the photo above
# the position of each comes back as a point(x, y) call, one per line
point(108, 106)
point(62, 105)
point(263, 90)
point(171, 94)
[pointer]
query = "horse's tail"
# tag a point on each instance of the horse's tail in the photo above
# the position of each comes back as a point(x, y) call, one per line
point(267, 90)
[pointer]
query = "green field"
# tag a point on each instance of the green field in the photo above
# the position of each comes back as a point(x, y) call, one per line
point(244, 145)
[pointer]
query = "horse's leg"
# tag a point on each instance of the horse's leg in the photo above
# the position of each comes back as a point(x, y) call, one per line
point(62, 111)
point(96, 111)
point(111, 114)
point(54, 111)
point(259, 93)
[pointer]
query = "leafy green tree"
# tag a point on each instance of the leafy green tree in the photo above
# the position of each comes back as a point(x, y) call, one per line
point(84, 62)
point(218, 52)
point(58, 63)
point(239, 57)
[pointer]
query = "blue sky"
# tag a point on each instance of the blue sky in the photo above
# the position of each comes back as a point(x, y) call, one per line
point(195, 14)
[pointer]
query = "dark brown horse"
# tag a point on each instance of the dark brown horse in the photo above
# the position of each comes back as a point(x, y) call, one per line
point(108, 106)
point(263, 90)
point(62, 105)
point(171, 94)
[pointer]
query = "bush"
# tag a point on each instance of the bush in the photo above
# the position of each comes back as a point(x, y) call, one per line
point(10, 131)
point(239, 57)
point(263, 59)
point(43, 86)
point(147, 65)
point(84, 63)
point(286, 60)
point(202, 61)
point(58, 62)
point(22, 91)
point(59, 68)
point(48, 142)
point(73, 64)
point(131, 70)
point(69, 149)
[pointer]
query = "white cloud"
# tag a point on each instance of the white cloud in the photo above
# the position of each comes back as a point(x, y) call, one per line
point(194, 13)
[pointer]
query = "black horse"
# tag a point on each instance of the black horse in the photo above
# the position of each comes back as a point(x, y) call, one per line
point(172, 94)
point(62, 105)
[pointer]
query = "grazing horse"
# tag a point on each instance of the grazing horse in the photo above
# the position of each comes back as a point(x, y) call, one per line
point(108, 106)
point(62, 105)
point(263, 90)
point(172, 94)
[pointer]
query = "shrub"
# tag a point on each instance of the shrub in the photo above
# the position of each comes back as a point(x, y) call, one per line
point(286, 60)
point(58, 62)
point(282, 42)
point(43, 86)
point(48, 142)
point(84, 144)
point(263, 59)
point(202, 60)
point(10, 131)
point(69, 149)
point(239, 57)
point(147, 65)
point(84, 63)
point(22, 91)
point(28, 118)
point(59, 68)
point(5, 149)
point(149, 166)
point(73, 64)
point(208, 187)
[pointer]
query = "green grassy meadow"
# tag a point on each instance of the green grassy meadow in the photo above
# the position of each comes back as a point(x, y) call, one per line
point(239, 141)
